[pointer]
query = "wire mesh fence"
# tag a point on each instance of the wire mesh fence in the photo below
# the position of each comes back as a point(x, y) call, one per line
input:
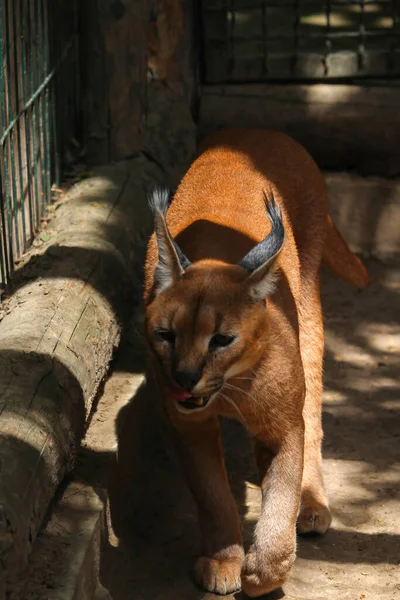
point(264, 40)
point(39, 97)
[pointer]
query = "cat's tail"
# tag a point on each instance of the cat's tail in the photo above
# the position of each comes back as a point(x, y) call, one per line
point(340, 259)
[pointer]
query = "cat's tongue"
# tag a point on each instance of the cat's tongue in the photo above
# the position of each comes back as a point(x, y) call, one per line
point(179, 394)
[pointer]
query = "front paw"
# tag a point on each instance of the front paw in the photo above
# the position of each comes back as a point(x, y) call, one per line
point(262, 573)
point(219, 576)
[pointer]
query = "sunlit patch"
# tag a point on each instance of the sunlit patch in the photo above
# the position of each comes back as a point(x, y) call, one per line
point(252, 501)
point(336, 19)
point(381, 337)
point(390, 404)
point(345, 352)
point(239, 16)
point(366, 385)
point(367, 8)
point(328, 94)
point(334, 397)
point(384, 22)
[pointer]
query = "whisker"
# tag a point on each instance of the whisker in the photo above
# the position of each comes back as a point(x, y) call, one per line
point(137, 332)
point(231, 402)
point(234, 387)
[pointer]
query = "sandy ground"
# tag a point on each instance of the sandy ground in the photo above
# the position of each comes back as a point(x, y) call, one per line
point(153, 532)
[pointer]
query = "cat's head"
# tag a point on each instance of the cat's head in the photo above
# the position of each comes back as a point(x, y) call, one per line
point(207, 321)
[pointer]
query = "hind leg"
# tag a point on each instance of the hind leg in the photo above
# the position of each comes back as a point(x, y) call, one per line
point(314, 512)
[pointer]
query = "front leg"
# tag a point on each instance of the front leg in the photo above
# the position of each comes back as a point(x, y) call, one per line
point(200, 451)
point(274, 547)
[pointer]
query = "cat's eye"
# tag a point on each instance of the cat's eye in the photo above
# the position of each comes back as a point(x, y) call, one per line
point(165, 335)
point(220, 341)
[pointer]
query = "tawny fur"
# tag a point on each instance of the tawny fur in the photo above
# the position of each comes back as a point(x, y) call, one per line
point(272, 377)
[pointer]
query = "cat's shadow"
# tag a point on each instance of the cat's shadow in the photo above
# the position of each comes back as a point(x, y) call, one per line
point(152, 512)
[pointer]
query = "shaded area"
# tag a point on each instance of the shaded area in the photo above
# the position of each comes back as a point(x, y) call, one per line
point(254, 41)
point(58, 331)
point(153, 532)
point(39, 435)
point(342, 126)
point(98, 236)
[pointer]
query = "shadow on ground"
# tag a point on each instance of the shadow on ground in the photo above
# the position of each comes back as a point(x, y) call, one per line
point(154, 536)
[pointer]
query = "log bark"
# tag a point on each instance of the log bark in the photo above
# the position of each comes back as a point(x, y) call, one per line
point(58, 330)
point(114, 64)
point(170, 136)
point(342, 126)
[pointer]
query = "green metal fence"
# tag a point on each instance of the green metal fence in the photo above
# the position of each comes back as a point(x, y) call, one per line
point(39, 110)
point(293, 40)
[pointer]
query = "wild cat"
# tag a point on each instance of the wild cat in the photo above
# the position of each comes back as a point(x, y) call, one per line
point(234, 328)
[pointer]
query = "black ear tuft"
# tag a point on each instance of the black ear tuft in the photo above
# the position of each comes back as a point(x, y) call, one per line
point(171, 260)
point(272, 244)
point(261, 260)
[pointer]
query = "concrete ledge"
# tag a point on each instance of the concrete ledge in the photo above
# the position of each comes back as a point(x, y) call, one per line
point(366, 210)
point(342, 126)
point(65, 563)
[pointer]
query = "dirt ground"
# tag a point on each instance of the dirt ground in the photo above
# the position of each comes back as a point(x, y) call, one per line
point(153, 532)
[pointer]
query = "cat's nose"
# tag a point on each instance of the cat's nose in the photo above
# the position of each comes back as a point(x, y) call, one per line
point(187, 379)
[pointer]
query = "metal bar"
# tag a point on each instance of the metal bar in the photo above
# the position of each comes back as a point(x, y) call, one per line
point(39, 90)
point(4, 153)
point(43, 32)
point(304, 4)
point(231, 24)
point(11, 105)
point(396, 29)
point(57, 160)
point(328, 40)
point(12, 141)
point(29, 122)
point(4, 273)
point(54, 123)
point(47, 101)
point(265, 35)
point(33, 117)
point(39, 103)
point(361, 44)
point(17, 48)
point(77, 73)
point(295, 55)
point(27, 116)
point(384, 33)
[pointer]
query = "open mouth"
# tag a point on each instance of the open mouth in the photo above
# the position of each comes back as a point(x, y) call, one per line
point(194, 403)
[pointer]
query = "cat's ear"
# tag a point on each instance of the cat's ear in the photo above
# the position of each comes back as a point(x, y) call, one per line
point(261, 261)
point(172, 263)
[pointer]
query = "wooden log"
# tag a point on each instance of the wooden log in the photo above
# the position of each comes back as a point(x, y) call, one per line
point(114, 64)
point(58, 330)
point(342, 126)
point(139, 81)
point(170, 136)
